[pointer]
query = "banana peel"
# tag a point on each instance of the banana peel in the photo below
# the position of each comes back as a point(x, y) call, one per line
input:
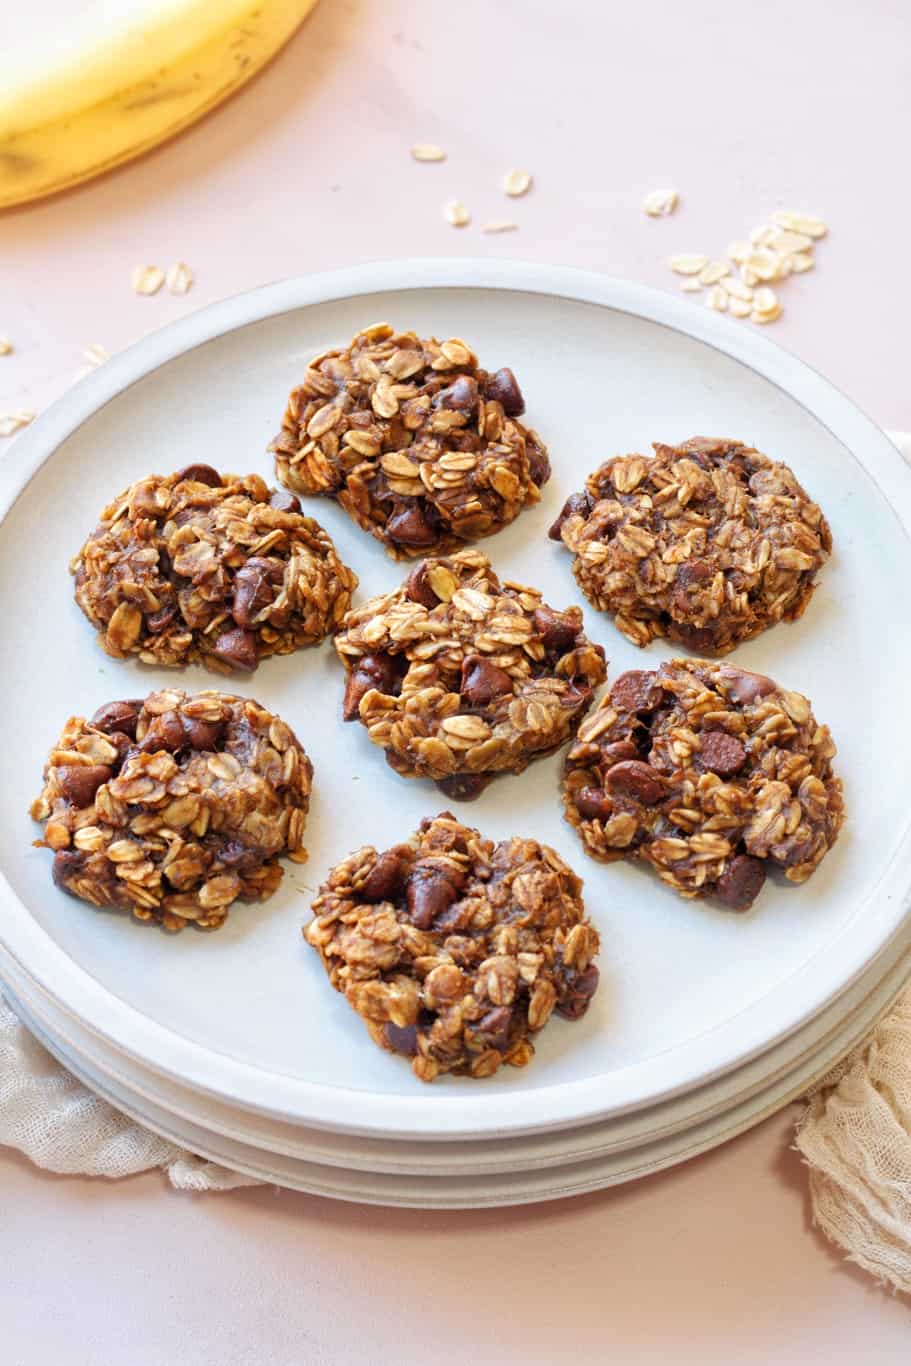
point(119, 79)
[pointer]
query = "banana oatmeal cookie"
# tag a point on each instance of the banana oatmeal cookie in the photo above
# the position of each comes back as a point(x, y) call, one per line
point(199, 567)
point(707, 543)
point(455, 950)
point(459, 677)
point(416, 442)
point(711, 774)
point(174, 807)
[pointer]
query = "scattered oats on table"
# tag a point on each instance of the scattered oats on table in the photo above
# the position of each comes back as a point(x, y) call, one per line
point(806, 223)
point(457, 214)
point(96, 355)
point(460, 677)
point(456, 951)
point(420, 445)
point(427, 151)
point(10, 423)
point(713, 272)
point(174, 807)
point(772, 252)
point(711, 774)
point(516, 183)
point(220, 570)
point(766, 306)
point(6, 346)
point(147, 279)
point(179, 278)
point(707, 543)
point(660, 203)
point(688, 264)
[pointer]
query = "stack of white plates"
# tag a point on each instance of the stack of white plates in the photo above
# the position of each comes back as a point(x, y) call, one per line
point(234, 1044)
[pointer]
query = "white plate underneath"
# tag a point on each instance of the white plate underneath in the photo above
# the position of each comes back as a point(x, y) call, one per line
point(511, 1183)
point(786, 1070)
point(688, 991)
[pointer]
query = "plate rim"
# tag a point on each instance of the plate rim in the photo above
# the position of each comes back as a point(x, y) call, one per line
point(851, 1017)
point(508, 1186)
point(478, 1115)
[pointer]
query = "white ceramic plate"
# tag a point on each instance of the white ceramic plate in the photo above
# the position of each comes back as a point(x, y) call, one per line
point(784, 1071)
point(688, 991)
point(511, 1183)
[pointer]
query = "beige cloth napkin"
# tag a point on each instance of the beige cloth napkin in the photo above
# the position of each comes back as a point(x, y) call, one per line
point(855, 1133)
point(61, 1125)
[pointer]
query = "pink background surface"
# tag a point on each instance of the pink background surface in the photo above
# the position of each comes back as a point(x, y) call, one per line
point(743, 109)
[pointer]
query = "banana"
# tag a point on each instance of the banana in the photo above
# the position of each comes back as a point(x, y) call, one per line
point(120, 77)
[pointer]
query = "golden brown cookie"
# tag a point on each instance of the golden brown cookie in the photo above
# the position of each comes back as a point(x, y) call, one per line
point(455, 951)
point(707, 543)
point(203, 568)
point(175, 806)
point(459, 677)
point(419, 445)
point(711, 774)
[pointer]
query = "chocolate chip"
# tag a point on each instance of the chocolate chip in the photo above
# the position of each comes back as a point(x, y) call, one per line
point(576, 505)
point(255, 584)
point(124, 744)
point(203, 736)
point(640, 782)
point(121, 716)
point(463, 787)
point(402, 1039)
point(691, 574)
point(538, 463)
point(456, 917)
point(417, 587)
point(701, 639)
point(722, 753)
point(412, 523)
point(283, 501)
point(239, 857)
point(67, 864)
point(636, 691)
point(201, 474)
point(740, 883)
point(483, 682)
point(593, 804)
point(175, 732)
point(238, 649)
point(428, 893)
point(464, 439)
point(462, 395)
point(372, 671)
point(743, 686)
point(617, 750)
point(579, 693)
point(80, 782)
point(384, 879)
point(694, 571)
point(165, 732)
point(495, 1025)
point(159, 621)
point(503, 387)
point(581, 990)
point(558, 630)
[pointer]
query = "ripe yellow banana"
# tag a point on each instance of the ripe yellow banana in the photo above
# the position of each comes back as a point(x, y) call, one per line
point(121, 77)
